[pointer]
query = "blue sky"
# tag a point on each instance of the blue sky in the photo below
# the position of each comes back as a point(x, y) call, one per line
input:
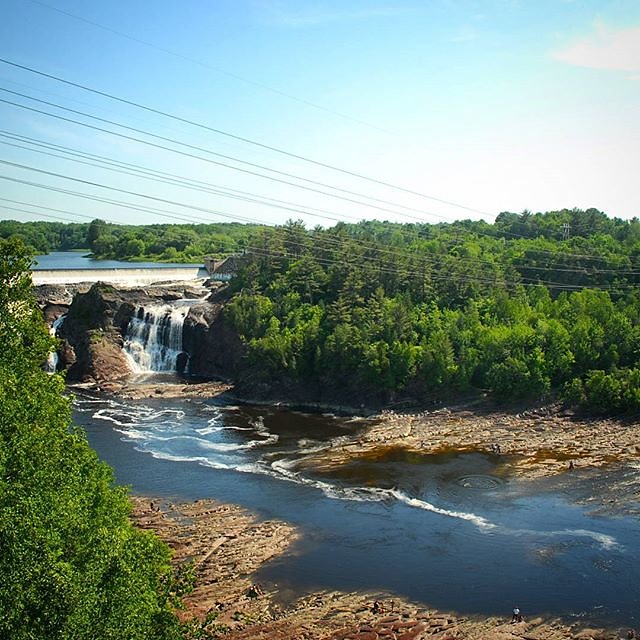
point(495, 105)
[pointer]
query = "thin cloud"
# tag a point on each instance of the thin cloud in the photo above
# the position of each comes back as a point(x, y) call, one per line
point(607, 49)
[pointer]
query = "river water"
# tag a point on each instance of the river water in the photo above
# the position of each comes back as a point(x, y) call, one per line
point(78, 260)
point(450, 531)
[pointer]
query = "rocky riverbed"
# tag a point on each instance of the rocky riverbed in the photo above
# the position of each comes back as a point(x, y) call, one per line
point(534, 443)
point(228, 545)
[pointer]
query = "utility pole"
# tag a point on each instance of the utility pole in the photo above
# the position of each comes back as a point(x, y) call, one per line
point(566, 228)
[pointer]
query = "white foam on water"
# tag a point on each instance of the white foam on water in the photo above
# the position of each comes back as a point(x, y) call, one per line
point(108, 415)
point(606, 541)
point(163, 455)
point(226, 446)
point(284, 465)
point(146, 425)
point(283, 469)
point(212, 428)
point(216, 428)
point(480, 522)
point(369, 494)
point(136, 415)
point(132, 434)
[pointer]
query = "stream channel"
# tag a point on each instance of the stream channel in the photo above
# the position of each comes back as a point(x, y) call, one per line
point(450, 530)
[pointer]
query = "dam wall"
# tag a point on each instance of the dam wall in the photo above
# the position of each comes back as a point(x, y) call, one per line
point(125, 277)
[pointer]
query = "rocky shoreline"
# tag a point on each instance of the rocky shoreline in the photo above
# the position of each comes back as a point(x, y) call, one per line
point(534, 443)
point(227, 546)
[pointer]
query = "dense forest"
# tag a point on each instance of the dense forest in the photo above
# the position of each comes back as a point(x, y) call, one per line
point(531, 306)
point(157, 242)
point(534, 305)
point(71, 563)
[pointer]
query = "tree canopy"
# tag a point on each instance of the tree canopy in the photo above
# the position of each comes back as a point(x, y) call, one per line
point(157, 242)
point(71, 563)
point(533, 305)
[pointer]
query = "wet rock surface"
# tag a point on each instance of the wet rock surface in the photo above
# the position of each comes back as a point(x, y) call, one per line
point(96, 322)
point(214, 347)
point(228, 545)
point(532, 444)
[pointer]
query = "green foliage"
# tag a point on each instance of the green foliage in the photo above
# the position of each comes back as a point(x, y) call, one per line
point(182, 243)
point(418, 308)
point(440, 308)
point(71, 564)
point(618, 390)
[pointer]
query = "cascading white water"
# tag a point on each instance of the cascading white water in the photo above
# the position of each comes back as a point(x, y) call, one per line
point(153, 340)
point(52, 360)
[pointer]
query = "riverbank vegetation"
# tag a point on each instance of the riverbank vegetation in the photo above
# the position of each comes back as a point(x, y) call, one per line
point(181, 243)
point(71, 563)
point(530, 306)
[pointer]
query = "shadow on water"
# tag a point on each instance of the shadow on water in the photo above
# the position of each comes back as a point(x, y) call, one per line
point(452, 530)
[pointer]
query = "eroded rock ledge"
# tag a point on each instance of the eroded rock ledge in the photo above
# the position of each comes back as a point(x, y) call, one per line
point(228, 546)
point(535, 443)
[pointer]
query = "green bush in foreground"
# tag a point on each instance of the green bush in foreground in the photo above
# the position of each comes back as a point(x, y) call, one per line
point(71, 564)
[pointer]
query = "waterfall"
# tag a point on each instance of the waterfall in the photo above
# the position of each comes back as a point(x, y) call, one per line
point(153, 339)
point(52, 361)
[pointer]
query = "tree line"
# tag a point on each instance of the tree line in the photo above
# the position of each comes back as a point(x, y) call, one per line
point(533, 304)
point(71, 563)
point(184, 243)
point(543, 305)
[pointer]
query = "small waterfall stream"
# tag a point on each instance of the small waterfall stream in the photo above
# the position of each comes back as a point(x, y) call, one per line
point(153, 339)
point(52, 361)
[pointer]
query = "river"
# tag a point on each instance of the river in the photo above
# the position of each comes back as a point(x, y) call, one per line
point(79, 260)
point(446, 530)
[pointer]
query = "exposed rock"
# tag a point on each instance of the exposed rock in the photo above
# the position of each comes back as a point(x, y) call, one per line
point(58, 294)
point(526, 444)
point(97, 321)
point(228, 545)
point(214, 347)
point(52, 312)
point(93, 333)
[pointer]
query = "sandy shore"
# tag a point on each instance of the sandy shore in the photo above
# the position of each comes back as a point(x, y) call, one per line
point(228, 545)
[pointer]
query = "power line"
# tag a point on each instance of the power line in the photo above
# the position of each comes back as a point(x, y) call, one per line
point(165, 114)
point(107, 201)
point(452, 277)
point(307, 210)
point(213, 188)
point(209, 160)
point(161, 176)
point(261, 85)
point(395, 252)
point(405, 272)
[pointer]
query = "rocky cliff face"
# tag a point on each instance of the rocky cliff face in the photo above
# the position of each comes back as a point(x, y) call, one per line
point(96, 323)
point(93, 333)
point(214, 347)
